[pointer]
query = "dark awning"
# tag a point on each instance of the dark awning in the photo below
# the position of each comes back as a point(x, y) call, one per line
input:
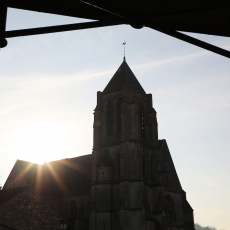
point(180, 15)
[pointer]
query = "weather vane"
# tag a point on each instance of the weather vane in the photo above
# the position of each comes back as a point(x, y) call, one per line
point(124, 43)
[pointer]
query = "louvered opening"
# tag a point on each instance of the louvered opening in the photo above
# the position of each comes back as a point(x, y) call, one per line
point(119, 116)
point(142, 121)
point(109, 118)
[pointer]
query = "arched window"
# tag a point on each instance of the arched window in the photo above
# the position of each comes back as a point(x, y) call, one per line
point(73, 207)
point(109, 118)
point(169, 209)
point(142, 120)
point(119, 101)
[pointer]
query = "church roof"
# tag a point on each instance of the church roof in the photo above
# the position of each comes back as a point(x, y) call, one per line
point(7, 194)
point(77, 169)
point(54, 177)
point(123, 76)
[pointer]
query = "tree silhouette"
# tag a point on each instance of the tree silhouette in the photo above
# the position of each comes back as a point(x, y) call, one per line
point(199, 227)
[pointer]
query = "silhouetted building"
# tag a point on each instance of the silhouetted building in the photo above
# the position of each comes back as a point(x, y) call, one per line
point(129, 182)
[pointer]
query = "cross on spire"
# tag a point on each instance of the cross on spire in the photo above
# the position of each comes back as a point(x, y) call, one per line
point(124, 43)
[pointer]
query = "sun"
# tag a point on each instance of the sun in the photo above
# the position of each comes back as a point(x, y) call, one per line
point(39, 142)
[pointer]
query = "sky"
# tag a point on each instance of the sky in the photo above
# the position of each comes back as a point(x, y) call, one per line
point(48, 87)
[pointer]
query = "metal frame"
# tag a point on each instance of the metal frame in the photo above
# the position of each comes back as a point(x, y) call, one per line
point(135, 19)
point(62, 28)
point(3, 16)
point(190, 40)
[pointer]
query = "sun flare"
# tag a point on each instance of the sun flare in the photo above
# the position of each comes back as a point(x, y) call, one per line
point(39, 142)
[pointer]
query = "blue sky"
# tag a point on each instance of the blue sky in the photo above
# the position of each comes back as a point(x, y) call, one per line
point(48, 94)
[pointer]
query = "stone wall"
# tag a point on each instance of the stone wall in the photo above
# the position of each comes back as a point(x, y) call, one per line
point(27, 211)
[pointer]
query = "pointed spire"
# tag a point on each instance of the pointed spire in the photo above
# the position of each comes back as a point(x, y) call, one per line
point(123, 76)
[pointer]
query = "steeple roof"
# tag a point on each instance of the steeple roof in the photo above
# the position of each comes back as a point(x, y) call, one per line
point(123, 76)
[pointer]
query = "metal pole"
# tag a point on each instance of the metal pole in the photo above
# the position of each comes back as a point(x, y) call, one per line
point(3, 15)
point(189, 39)
point(61, 28)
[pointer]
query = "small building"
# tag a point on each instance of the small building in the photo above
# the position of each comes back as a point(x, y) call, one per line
point(129, 182)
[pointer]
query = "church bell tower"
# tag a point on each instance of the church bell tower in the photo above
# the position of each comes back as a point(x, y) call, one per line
point(125, 146)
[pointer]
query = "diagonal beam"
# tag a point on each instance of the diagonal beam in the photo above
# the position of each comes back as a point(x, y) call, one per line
point(61, 28)
point(189, 39)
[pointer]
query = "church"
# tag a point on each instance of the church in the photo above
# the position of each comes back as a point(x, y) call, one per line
point(129, 182)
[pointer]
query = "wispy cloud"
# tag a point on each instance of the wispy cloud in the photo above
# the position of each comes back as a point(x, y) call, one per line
point(178, 60)
point(212, 184)
point(220, 105)
point(174, 60)
point(25, 90)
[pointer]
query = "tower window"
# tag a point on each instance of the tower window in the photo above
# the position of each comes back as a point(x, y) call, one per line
point(119, 101)
point(109, 118)
point(142, 121)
